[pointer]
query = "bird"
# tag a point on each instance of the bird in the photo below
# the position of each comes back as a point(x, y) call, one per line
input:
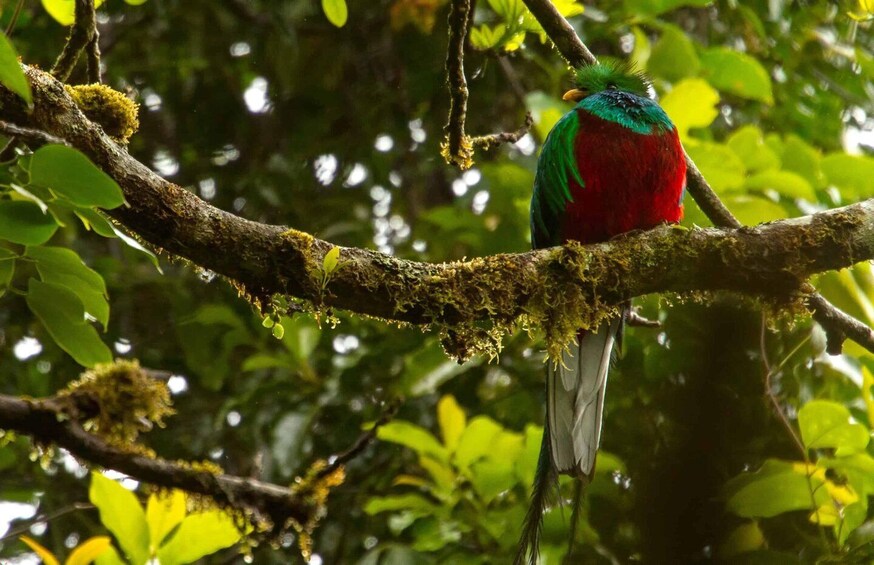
point(611, 165)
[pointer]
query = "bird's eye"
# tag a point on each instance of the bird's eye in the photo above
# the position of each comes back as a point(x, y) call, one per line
point(611, 86)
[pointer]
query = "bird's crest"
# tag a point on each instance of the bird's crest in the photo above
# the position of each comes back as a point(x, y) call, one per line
point(612, 74)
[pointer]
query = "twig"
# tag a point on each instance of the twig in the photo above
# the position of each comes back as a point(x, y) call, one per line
point(459, 148)
point(30, 133)
point(634, 319)
point(14, 19)
point(83, 34)
point(494, 139)
point(837, 324)
point(49, 421)
point(362, 442)
point(75, 507)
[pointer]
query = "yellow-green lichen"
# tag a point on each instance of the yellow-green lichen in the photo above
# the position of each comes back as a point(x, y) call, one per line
point(313, 489)
point(114, 111)
point(463, 159)
point(119, 401)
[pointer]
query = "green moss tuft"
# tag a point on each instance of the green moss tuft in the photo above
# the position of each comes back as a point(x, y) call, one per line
point(114, 111)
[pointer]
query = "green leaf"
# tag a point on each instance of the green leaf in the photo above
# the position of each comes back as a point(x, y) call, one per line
point(89, 550)
point(485, 37)
point(751, 209)
point(786, 183)
point(331, 260)
point(642, 48)
point(509, 10)
point(852, 174)
point(335, 11)
point(11, 75)
point(163, 513)
point(427, 368)
point(122, 515)
point(48, 558)
point(477, 441)
point(800, 157)
point(199, 535)
point(28, 195)
point(69, 173)
point(745, 538)
point(826, 424)
point(673, 57)
point(92, 220)
point(779, 486)
point(749, 144)
point(63, 11)
point(7, 268)
point(419, 504)
point(719, 164)
point(24, 223)
point(64, 267)
point(491, 477)
point(452, 421)
point(110, 557)
point(649, 8)
point(415, 437)
point(63, 315)
point(737, 73)
point(691, 104)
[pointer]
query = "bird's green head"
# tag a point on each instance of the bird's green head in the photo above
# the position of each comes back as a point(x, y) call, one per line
point(608, 75)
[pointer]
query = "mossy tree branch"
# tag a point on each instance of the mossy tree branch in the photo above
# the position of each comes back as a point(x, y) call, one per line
point(55, 421)
point(837, 324)
point(83, 37)
point(556, 288)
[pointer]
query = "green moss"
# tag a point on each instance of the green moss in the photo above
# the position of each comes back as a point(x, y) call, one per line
point(114, 111)
point(119, 400)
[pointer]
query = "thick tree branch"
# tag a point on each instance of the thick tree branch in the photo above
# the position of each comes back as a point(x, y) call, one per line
point(573, 283)
point(837, 324)
point(50, 422)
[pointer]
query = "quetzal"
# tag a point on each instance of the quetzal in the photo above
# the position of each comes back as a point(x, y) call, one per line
point(611, 165)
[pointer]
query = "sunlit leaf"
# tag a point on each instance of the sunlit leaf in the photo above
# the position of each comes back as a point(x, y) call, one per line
point(673, 56)
point(476, 441)
point(121, 513)
point(744, 538)
point(826, 424)
point(749, 144)
point(63, 11)
point(415, 437)
point(199, 535)
point(721, 166)
point(331, 260)
point(691, 104)
point(655, 7)
point(413, 502)
point(70, 173)
point(776, 488)
point(89, 550)
point(734, 72)
point(452, 421)
point(164, 512)
point(852, 174)
point(786, 183)
point(336, 11)
point(48, 558)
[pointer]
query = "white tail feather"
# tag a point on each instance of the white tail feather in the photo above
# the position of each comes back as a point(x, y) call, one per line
point(575, 400)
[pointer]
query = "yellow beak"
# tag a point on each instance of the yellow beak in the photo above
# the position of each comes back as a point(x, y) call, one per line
point(575, 94)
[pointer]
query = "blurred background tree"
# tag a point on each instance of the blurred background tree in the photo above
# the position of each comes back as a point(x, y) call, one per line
point(270, 110)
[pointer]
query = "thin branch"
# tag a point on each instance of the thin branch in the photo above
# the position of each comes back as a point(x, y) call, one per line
point(495, 139)
point(837, 324)
point(362, 442)
point(42, 518)
point(36, 135)
point(83, 34)
point(14, 19)
point(459, 145)
point(635, 319)
point(49, 421)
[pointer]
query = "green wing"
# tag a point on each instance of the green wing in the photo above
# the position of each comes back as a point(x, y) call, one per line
point(555, 167)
